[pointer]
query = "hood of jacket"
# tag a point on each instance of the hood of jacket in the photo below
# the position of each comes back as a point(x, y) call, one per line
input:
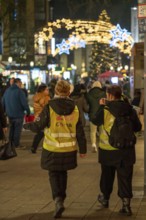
point(62, 106)
point(96, 92)
point(119, 108)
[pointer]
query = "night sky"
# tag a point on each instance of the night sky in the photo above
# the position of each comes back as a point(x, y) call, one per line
point(118, 11)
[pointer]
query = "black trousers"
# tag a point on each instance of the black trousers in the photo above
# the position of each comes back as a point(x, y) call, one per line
point(124, 178)
point(36, 140)
point(58, 182)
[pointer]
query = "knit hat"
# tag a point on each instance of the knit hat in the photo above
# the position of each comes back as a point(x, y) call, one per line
point(96, 84)
point(62, 88)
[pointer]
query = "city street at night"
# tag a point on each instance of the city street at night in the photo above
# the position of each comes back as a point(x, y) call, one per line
point(70, 66)
point(25, 190)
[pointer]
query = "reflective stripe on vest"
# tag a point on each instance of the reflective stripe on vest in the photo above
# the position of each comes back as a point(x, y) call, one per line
point(55, 135)
point(65, 144)
point(103, 137)
point(61, 135)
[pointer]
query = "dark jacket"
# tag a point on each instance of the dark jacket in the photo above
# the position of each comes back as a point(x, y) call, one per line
point(123, 156)
point(3, 121)
point(81, 102)
point(53, 160)
point(93, 97)
point(15, 103)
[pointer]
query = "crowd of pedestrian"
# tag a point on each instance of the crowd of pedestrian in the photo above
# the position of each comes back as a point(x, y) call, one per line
point(60, 116)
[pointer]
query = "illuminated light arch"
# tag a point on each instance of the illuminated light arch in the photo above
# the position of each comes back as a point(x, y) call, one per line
point(70, 44)
point(88, 32)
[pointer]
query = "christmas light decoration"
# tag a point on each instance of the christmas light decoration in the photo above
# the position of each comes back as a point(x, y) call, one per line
point(63, 47)
point(70, 44)
point(90, 31)
point(75, 42)
point(120, 35)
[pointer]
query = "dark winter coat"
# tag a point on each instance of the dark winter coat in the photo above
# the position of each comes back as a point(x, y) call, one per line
point(122, 156)
point(15, 103)
point(81, 102)
point(53, 160)
point(93, 97)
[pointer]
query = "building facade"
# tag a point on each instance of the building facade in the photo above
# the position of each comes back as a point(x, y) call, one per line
point(19, 25)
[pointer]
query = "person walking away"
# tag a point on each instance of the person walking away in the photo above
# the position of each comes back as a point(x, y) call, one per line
point(40, 99)
point(80, 101)
point(114, 159)
point(62, 126)
point(25, 90)
point(136, 99)
point(15, 105)
point(93, 96)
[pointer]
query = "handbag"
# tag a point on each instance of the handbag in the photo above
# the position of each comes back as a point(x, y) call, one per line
point(7, 151)
point(29, 118)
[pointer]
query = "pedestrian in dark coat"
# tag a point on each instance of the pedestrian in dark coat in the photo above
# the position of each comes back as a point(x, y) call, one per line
point(112, 159)
point(93, 96)
point(62, 126)
point(80, 101)
point(16, 106)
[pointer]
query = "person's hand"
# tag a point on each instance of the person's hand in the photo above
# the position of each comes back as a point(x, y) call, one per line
point(102, 101)
point(82, 155)
point(5, 130)
point(25, 126)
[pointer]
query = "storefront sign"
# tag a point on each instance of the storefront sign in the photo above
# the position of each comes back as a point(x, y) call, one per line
point(141, 10)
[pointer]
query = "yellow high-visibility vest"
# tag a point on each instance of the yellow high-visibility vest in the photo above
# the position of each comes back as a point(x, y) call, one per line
point(61, 135)
point(104, 130)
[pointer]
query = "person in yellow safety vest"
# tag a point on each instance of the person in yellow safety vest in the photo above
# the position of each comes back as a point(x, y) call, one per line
point(112, 159)
point(63, 129)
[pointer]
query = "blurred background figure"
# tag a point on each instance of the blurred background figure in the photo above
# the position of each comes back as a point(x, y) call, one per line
point(51, 86)
point(80, 101)
point(11, 81)
point(16, 106)
point(93, 96)
point(40, 99)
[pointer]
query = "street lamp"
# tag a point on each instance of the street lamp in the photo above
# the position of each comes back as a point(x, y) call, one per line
point(31, 81)
point(111, 68)
point(126, 67)
point(10, 60)
point(31, 63)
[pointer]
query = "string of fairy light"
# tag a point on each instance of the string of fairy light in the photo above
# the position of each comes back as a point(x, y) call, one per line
point(87, 32)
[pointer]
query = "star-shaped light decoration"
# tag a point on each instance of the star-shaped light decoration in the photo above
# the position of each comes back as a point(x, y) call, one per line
point(119, 35)
point(63, 47)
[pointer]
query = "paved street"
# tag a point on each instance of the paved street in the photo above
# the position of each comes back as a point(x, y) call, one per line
point(25, 192)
